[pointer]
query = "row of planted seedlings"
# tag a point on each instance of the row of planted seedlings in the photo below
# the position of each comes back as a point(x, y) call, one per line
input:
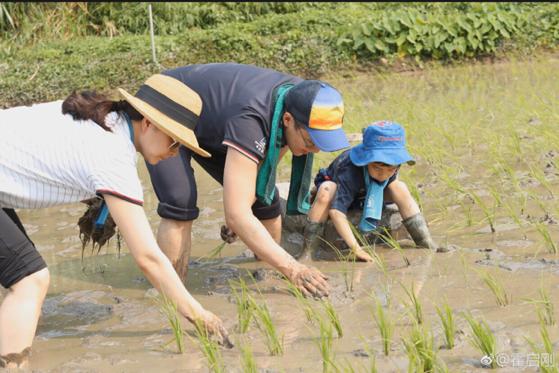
point(418, 345)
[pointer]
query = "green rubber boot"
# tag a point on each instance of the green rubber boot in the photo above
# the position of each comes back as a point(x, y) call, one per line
point(419, 232)
point(311, 233)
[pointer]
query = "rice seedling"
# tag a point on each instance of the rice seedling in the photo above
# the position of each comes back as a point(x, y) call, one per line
point(489, 215)
point(245, 304)
point(422, 356)
point(496, 195)
point(385, 326)
point(209, 348)
point(302, 300)
point(394, 244)
point(348, 267)
point(467, 208)
point(548, 241)
point(545, 307)
point(501, 296)
point(366, 245)
point(214, 253)
point(169, 309)
point(540, 177)
point(415, 305)
point(448, 324)
point(483, 339)
point(546, 355)
point(325, 347)
point(513, 214)
point(267, 327)
point(333, 317)
point(247, 361)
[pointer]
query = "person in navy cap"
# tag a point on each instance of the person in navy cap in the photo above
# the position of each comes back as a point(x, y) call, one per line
point(365, 177)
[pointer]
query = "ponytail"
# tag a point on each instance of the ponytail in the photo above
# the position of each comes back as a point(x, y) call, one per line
point(90, 105)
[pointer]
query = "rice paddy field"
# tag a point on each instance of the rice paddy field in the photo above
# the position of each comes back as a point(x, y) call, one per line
point(487, 149)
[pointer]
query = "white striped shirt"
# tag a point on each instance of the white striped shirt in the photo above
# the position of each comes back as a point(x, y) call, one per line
point(47, 158)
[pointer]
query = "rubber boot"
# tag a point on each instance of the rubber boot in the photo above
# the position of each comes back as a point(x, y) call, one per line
point(419, 232)
point(311, 234)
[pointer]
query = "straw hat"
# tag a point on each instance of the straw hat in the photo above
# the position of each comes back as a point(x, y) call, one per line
point(172, 106)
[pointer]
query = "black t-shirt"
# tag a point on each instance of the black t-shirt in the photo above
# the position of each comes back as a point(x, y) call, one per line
point(237, 106)
point(351, 189)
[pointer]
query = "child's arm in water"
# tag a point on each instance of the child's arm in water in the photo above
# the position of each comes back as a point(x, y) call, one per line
point(339, 219)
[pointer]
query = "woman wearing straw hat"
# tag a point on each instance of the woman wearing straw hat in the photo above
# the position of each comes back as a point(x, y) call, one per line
point(250, 118)
point(97, 159)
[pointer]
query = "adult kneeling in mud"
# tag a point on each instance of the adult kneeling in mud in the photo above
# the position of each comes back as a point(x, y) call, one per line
point(365, 178)
point(47, 159)
point(250, 118)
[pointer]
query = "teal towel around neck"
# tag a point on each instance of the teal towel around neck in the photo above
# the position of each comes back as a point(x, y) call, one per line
point(301, 166)
point(372, 207)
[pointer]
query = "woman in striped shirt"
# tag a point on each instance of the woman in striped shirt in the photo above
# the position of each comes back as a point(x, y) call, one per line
point(83, 148)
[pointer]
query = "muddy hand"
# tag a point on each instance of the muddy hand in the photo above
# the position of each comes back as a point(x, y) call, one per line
point(362, 255)
point(310, 281)
point(214, 327)
point(227, 234)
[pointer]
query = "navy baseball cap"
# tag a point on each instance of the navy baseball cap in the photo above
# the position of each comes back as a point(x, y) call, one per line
point(383, 141)
point(320, 107)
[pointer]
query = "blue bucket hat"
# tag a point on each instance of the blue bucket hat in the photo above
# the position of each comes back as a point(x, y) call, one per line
point(383, 141)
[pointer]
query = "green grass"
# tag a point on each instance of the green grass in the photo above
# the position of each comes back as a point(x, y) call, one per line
point(245, 304)
point(483, 338)
point(247, 360)
point(209, 348)
point(544, 307)
point(333, 317)
point(502, 297)
point(325, 347)
point(385, 326)
point(414, 304)
point(264, 321)
point(169, 308)
point(303, 301)
point(448, 324)
point(547, 362)
point(548, 240)
point(421, 352)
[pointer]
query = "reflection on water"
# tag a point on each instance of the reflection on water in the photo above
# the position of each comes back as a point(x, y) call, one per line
point(473, 131)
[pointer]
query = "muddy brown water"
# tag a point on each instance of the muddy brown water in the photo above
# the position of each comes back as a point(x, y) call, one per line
point(99, 315)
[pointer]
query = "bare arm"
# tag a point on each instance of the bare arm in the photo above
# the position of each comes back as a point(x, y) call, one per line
point(134, 226)
point(239, 190)
point(339, 219)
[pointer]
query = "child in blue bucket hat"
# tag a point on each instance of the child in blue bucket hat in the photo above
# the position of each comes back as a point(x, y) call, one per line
point(365, 177)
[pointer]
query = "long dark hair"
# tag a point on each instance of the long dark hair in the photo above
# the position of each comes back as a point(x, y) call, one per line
point(90, 105)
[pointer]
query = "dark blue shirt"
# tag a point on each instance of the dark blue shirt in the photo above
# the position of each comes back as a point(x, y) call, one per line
point(350, 180)
point(237, 106)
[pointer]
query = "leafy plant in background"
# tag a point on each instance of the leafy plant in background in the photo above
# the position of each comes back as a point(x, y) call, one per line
point(438, 35)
